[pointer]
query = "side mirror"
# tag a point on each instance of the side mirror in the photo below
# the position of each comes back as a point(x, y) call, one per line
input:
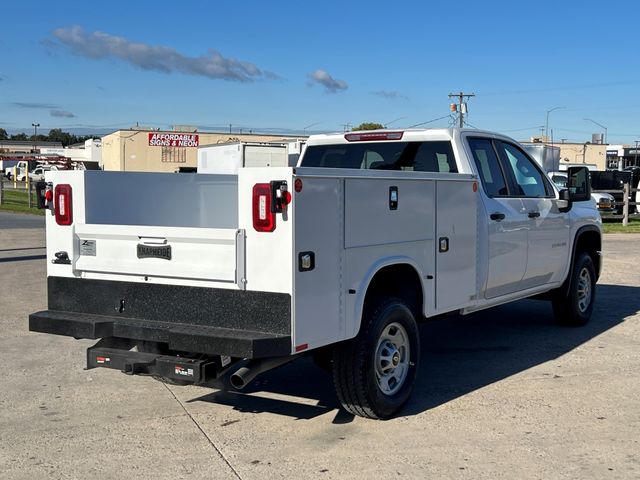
point(578, 184)
point(564, 200)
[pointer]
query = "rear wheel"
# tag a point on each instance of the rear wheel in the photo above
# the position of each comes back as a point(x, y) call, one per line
point(575, 307)
point(374, 373)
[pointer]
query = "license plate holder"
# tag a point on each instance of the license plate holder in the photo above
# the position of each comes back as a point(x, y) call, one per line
point(154, 251)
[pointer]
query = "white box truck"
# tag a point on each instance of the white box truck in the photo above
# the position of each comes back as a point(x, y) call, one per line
point(193, 277)
point(229, 158)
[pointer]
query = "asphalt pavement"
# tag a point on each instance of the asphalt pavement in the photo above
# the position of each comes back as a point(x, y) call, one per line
point(504, 393)
point(10, 220)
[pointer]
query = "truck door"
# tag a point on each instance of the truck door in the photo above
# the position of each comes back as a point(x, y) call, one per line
point(547, 227)
point(506, 223)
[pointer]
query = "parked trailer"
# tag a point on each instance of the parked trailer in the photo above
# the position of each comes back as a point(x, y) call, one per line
point(195, 277)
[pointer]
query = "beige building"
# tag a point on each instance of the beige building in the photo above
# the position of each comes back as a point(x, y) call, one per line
point(145, 150)
point(589, 153)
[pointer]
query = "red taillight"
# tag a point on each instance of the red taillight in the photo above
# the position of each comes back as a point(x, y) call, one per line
point(263, 219)
point(62, 204)
point(373, 136)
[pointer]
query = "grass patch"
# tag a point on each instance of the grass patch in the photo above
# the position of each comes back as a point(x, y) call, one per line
point(615, 226)
point(18, 201)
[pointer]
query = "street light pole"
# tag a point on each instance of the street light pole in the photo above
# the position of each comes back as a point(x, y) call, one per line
point(601, 126)
point(546, 125)
point(35, 135)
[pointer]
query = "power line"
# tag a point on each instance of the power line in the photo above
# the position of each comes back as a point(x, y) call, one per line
point(429, 121)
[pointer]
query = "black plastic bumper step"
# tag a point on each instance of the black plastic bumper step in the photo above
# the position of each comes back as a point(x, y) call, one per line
point(178, 336)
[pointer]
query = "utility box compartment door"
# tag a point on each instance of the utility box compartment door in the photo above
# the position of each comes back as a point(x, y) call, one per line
point(318, 256)
point(385, 211)
point(456, 244)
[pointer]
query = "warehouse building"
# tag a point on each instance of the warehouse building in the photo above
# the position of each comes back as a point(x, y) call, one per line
point(148, 150)
point(26, 146)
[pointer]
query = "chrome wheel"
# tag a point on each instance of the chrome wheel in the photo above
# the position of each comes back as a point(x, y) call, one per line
point(584, 290)
point(392, 358)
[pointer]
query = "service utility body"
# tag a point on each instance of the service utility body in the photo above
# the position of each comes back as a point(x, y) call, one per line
point(197, 277)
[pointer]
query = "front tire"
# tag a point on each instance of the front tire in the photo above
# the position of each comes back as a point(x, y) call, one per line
point(374, 373)
point(574, 308)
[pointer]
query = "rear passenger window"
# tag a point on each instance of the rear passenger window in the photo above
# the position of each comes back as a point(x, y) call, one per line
point(435, 156)
point(488, 167)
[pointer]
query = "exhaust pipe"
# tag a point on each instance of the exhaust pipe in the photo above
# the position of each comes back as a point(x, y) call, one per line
point(244, 375)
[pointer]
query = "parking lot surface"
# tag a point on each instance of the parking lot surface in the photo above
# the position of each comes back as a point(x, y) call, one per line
point(503, 393)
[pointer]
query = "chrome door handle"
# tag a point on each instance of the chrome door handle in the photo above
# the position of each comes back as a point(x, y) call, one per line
point(534, 214)
point(497, 216)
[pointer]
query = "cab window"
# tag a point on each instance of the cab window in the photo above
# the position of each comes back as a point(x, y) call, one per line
point(488, 167)
point(527, 179)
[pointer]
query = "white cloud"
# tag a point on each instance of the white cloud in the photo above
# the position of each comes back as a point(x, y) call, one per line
point(99, 45)
point(390, 94)
point(61, 114)
point(330, 84)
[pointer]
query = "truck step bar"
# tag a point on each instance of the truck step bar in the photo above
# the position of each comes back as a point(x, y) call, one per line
point(178, 336)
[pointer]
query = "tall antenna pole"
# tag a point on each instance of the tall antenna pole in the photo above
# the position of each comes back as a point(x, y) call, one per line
point(462, 106)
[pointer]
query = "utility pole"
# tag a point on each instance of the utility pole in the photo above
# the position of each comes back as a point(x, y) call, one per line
point(35, 136)
point(461, 107)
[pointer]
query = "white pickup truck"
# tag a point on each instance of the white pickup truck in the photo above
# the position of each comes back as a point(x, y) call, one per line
point(191, 277)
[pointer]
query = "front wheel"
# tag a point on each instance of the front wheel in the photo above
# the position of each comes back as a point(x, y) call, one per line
point(575, 307)
point(374, 373)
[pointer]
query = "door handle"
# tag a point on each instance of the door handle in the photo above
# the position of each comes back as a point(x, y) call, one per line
point(497, 216)
point(534, 214)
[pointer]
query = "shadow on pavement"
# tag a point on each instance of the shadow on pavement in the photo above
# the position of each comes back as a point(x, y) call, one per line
point(22, 258)
point(460, 354)
point(20, 249)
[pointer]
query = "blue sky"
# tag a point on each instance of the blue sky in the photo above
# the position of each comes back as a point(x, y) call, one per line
point(290, 65)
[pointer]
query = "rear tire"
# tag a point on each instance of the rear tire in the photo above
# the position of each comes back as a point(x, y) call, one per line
point(574, 308)
point(374, 373)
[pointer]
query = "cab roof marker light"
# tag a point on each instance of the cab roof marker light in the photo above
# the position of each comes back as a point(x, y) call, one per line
point(373, 136)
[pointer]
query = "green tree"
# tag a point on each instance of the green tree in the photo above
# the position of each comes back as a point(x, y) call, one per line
point(369, 126)
point(19, 136)
point(3, 134)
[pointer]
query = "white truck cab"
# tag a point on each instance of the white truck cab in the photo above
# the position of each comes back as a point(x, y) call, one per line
point(196, 276)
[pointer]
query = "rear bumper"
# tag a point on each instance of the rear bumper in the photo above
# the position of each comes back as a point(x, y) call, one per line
point(188, 319)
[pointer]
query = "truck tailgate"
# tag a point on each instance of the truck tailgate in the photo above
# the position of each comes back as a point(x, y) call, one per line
point(177, 252)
